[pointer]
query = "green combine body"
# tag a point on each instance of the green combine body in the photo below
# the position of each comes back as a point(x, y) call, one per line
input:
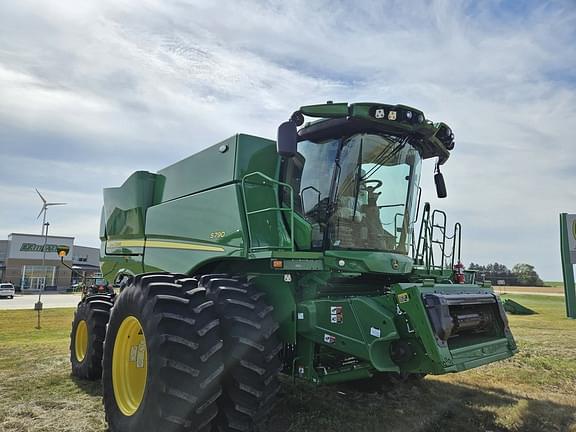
point(322, 232)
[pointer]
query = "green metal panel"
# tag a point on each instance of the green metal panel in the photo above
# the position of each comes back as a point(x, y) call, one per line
point(368, 261)
point(303, 264)
point(567, 264)
point(368, 327)
point(209, 168)
point(212, 217)
point(479, 354)
point(440, 358)
point(333, 110)
point(184, 261)
point(125, 211)
point(302, 233)
point(257, 167)
point(265, 217)
point(356, 325)
point(125, 206)
point(414, 322)
point(256, 154)
point(202, 227)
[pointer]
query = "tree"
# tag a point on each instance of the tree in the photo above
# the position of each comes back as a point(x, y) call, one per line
point(526, 275)
point(476, 267)
point(494, 272)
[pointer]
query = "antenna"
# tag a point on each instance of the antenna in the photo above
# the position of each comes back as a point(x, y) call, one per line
point(45, 205)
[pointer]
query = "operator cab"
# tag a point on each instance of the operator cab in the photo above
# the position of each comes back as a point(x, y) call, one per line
point(358, 191)
point(356, 178)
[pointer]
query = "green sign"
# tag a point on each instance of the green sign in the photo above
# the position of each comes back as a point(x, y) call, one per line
point(572, 242)
point(33, 247)
point(568, 253)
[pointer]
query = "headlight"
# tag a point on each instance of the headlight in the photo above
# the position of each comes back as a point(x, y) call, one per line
point(445, 135)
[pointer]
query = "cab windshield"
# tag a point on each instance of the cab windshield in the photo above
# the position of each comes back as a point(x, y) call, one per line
point(358, 192)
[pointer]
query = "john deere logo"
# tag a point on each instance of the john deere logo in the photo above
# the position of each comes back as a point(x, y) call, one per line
point(33, 247)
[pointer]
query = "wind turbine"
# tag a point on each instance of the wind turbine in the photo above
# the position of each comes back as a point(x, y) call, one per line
point(45, 206)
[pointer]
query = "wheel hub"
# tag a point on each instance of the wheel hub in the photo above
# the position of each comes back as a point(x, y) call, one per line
point(129, 366)
point(81, 340)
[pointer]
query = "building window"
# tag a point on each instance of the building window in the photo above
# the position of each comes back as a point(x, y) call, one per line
point(37, 277)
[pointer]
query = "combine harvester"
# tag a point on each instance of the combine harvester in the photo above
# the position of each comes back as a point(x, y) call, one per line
point(254, 258)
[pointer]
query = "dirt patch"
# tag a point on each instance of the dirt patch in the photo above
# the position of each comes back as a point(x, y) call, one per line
point(529, 290)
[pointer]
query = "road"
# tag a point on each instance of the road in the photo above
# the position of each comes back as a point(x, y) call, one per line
point(503, 292)
point(546, 291)
point(49, 301)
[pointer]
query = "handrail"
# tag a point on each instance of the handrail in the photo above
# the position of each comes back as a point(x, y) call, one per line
point(431, 223)
point(442, 243)
point(422, 252)
point(457, 230)
point(268, 209)
point(413, 223)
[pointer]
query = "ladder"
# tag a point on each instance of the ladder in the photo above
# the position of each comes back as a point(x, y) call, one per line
point(431, 249)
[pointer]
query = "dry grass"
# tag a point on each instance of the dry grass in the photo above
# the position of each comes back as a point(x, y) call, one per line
point(37, 391)
point(534, 391)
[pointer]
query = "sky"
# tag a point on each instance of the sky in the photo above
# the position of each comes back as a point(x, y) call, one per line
point(91, 91)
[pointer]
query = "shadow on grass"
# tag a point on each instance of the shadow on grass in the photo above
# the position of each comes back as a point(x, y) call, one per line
point(93, 388)
point(422, 406)
point(425, 406)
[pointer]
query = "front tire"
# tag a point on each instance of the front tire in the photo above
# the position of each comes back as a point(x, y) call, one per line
point(87, 336)
point(251, 347)
point(162, 357)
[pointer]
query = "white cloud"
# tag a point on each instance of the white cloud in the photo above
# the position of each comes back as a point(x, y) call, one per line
point(100, 89)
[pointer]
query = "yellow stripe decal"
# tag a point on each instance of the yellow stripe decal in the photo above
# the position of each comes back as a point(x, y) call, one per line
point(163, 245)
point(124, 243)
point(189, 246)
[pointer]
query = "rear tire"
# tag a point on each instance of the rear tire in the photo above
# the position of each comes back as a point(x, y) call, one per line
point(87, 336)
point(178, 389)
point(251, 348)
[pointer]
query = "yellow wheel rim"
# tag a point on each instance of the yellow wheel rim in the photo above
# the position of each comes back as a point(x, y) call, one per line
point(129, 366)
point(81, 340)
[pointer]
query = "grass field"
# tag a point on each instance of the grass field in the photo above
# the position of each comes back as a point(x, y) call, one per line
point(534, 391)
point(558, 284)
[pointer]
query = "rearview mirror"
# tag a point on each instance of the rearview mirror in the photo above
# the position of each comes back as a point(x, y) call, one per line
point(440, 185)
point(286, 143)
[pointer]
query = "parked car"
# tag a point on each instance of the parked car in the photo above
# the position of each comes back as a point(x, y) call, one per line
point(6, 290)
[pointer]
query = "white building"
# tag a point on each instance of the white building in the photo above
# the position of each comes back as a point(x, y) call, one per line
point(21, 262)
